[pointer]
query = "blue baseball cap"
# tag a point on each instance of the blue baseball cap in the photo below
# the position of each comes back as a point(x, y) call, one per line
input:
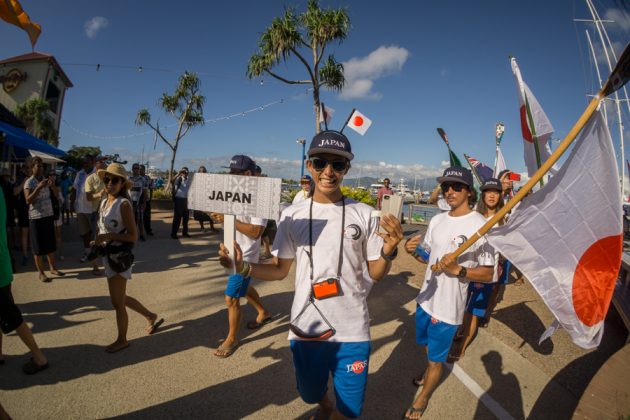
point(331, 142)
point(242, 163)
point(457, 174)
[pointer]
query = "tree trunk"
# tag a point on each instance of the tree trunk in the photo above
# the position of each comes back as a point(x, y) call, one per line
point(170, 172)
point(318, 107)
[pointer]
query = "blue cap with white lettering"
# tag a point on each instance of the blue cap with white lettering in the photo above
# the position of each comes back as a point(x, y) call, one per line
point(331, 142)
point(457, 174)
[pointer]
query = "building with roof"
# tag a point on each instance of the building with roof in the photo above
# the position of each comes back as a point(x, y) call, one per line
point(30, 76)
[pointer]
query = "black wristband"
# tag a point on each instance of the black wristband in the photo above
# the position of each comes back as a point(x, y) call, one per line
point(390, 257)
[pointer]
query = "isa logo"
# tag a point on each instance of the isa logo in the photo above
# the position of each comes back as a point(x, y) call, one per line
point(357, 367)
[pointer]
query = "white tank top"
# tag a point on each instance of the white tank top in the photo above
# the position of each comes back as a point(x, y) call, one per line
point(110, 219)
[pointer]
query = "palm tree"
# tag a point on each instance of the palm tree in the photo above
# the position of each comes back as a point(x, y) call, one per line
point(34, 115)
point(185, 105)
point(314, 29)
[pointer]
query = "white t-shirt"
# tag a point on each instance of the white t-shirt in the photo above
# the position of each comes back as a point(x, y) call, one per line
point(82, 205)
point(249, 246)
point(347, 313)
point(300, 196)
point(443, 296)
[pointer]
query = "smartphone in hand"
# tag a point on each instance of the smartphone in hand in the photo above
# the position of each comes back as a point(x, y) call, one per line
point(391, 204)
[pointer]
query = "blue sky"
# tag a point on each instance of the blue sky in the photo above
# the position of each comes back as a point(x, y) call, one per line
point(425, 65)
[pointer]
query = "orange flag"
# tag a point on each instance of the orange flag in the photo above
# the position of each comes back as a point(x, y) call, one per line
point(11, 11)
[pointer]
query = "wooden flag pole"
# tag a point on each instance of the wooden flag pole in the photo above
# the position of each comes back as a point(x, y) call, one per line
point(616, 80)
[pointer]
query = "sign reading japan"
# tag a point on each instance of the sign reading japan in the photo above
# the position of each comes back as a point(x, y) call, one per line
point(235, 194)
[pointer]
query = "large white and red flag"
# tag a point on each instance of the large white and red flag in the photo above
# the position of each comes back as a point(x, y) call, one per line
point(567, 238)
point(359, 122)
point(535, 125)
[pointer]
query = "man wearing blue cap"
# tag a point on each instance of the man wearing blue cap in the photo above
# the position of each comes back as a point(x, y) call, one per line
point(339, 253)
point(248, 233)
point(442, 299)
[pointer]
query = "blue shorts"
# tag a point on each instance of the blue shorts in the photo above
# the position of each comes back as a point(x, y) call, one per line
point(237, 286)
point(435, 334)
point(479, 297)
point(504, 278)
point(348, 363)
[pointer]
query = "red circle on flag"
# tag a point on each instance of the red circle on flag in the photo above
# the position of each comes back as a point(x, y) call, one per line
point(358, 121)
point(594, 279)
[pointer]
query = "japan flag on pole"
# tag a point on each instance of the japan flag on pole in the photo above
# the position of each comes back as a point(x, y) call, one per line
point(567, 238)
point(359, 122)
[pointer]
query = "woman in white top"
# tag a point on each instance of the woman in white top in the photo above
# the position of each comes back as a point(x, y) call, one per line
point(117, 227)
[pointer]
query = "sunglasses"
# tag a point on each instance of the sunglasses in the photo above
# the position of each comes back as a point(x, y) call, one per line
point(319, 164)
point(456, 186)
point(113, 179)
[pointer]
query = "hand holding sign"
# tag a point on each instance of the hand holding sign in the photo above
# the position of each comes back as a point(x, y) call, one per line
point(225, 259)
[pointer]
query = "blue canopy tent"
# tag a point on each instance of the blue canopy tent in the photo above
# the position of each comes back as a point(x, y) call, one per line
point(22, 142)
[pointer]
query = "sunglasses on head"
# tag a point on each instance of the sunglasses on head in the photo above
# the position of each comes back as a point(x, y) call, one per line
point(456, 186)
point(319, 164)
point(113, 179)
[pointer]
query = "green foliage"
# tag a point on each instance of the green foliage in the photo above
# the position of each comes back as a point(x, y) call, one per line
point(312, 30)
point(75, 155)
point(161, 194)
point(360, 195)
point(185, 105)
point(34, 114)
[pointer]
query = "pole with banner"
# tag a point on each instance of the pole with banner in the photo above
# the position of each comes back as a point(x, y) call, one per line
point(498, 136)
point(235, 195)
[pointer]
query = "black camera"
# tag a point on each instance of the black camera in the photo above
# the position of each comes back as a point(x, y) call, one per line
point(95, 252)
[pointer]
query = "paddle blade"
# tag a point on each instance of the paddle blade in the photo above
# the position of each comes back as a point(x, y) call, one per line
point(442, 134)
point(620, 74)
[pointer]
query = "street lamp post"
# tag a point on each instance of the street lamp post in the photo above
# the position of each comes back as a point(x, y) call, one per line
point(303, 143)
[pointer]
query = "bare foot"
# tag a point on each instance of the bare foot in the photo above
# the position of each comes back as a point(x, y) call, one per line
point(154, 323)
point(44, 279)
point(117, 346)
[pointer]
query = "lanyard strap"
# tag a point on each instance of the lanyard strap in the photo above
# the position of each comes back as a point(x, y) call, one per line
point(310, 236)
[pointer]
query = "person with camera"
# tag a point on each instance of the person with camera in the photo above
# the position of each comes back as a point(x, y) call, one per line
point(114, 242)
point(384, 190)
point(180, 199)
point(442, 300)
point(339, 253)
point(38, 191)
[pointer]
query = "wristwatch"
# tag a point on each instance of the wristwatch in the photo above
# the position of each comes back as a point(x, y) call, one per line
point(390, 257)
point(462, 273)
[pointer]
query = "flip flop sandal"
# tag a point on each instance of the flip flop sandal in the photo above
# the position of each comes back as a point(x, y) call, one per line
point(155, 326)
point(31, 368)
point(254, 325)
point(45, 279)
point(227, 350)
point(58, 273)
point(412, 410)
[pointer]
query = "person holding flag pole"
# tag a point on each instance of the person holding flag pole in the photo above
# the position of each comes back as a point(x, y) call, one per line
point(597, 265)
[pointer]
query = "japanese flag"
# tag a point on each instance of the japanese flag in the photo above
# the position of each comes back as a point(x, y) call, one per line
point(567, 238)
point(359, 122)
point(326, 114)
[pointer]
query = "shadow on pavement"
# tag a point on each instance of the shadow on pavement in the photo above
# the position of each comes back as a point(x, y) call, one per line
point(577, 375)
point(504, 385)
point(75, 361)
point(526, 324)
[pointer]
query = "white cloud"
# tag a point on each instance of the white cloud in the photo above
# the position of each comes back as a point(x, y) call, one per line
point(94, 26)
point(621, 18)
point(360, 73)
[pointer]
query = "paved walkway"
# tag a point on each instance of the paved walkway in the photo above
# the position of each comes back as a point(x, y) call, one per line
point(173, 373)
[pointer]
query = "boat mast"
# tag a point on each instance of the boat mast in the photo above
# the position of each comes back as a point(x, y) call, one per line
point(599, 76)
point(600, 29)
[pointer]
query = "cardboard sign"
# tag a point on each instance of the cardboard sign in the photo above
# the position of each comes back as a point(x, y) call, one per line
point(235, 194)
